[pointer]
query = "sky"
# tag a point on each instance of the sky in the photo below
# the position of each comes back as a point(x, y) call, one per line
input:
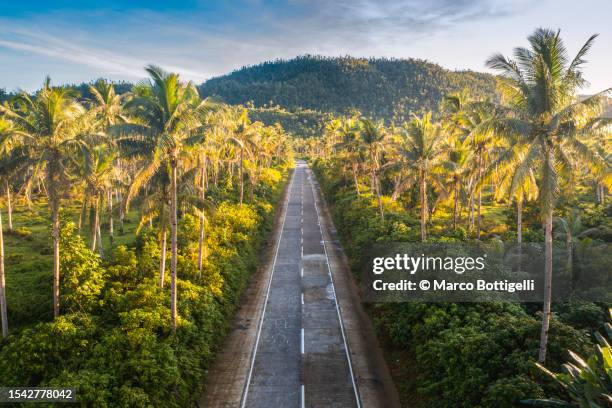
point(80, 41)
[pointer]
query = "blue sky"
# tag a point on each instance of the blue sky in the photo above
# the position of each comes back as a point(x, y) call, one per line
point(75, 41)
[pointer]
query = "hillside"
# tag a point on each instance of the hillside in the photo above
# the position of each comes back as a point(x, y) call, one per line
point(377, 87)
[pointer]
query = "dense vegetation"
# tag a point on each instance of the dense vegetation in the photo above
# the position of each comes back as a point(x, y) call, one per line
point(131, 184)
point(383, 88)
point(534, 167)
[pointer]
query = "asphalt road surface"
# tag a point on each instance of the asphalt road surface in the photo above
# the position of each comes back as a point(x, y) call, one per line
point(300, 356)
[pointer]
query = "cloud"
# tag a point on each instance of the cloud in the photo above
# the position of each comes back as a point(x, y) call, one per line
point(211, 40)
point(103, 59)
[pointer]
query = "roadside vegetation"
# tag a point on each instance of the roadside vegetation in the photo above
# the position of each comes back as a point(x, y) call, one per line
point(530, 165)
point(131, 225)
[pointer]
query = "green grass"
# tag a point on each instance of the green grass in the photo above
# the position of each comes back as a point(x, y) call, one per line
point(28, 258)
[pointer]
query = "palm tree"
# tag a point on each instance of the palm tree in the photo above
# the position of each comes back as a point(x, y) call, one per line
point(420, 149)
point(570, 229)
point(95, 168)
point(347, 131)
point(242, 132)
point(50, 129)
point(458, 168)
point(544, 113)
point(469, 119)
point(168, 113)
point(373, 137)
point(106, 105)
point(108, 109)
point(6, 130)
point(3, 314)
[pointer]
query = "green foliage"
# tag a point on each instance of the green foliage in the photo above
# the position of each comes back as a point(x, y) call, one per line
point(379, 87)
point(81, 272)
point(587, 382)
point(124, 353)
point(449, 355)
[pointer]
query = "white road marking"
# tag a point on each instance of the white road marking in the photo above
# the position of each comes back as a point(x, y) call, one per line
point(302, 272)
point(302, 341)
point(302, 298)
point(280, 238)
point(346, 349)
point(303, 397)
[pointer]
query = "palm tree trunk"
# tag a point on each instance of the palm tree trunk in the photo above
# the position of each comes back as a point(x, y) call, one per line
point(470, 216)
point(423, 194)
point(111, 227)
point(354, 166)
point(173, 243)
point(162, 260)
point(83, 213)
point(99, 234)
point(121, 212)
point(201, 235)
point(3, 314)
point(241, 175)
point(94, 224)
point(377, 188)
point(55, 221)
point(9, 206)
point(547, 284)
point(455, 207)
point(519, 231)
point(479, 197)
point(570, 251)
point(519, 220)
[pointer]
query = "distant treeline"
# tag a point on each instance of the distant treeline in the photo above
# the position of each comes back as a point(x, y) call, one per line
point(298, 93)
point(378, 87)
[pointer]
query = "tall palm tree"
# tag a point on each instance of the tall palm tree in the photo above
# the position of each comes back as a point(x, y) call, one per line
point(469, 119)
point(373, 138)
point(168, 113)
point(108, 109)
point(6, 131)
point(242, 132)
point(50, 127)
point(421, 150)
point(458, 168)
point(347, 131)
point(3, 314)
point(539, 89)
point(95, 168)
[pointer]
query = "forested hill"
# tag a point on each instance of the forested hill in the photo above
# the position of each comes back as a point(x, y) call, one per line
point(377, 87)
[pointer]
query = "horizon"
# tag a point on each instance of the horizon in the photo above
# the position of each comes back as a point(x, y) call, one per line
point(76, 43)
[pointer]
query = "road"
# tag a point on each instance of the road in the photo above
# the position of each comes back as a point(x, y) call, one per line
point(301, 337)
point(301, 356)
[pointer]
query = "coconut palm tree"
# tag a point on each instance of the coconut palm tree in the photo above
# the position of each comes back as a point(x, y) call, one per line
point(458, 169)
point(3, 314)
point(346, 130)
point(156, 205)
point(108, 109)
point(241, 136)
point(421, 149)
point(468, 120)
point(543, 112)
point(373, 137)
point(50, 127)
point(95, 168)
point(6, 130)
point(168, 112)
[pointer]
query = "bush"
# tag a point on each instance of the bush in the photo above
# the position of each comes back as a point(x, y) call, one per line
point(456, 355)
point(124, 353)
